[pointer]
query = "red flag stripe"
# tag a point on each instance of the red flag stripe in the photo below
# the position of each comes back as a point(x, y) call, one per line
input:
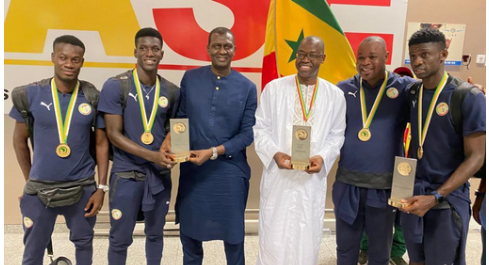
point(269, 70)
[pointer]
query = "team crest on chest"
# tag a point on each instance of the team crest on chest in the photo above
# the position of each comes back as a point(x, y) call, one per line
point(392, 92)
point(163, 102)
point(442, 109)
point(28, 223)
point(116, 214)
point(85, 109)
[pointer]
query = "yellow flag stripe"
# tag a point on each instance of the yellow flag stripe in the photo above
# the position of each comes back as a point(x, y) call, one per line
point(292, 18)
point(270, 38)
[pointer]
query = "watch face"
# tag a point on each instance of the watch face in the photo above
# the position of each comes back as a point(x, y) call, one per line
point(438, 197)
point(214, 154)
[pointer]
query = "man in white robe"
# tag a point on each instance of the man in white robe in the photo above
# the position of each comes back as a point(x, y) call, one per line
point(292, 201)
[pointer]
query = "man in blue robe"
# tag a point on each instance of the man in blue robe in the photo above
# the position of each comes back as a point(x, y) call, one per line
point(220, 104)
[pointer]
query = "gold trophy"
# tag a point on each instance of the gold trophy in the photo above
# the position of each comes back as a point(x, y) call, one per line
point(301, 147)
point(180, 143)
point(402, 181)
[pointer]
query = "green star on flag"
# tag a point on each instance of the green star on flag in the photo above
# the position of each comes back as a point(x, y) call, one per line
point(295, 45)
point(287, 18)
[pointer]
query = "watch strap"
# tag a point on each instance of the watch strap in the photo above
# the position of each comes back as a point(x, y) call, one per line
point(105, 188)
point(438, 197)
point(214, 153)
point(480, 193)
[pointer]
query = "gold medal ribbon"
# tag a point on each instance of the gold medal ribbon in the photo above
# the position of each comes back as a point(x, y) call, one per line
point(63, 126)
point(147, 123)
point(306, 113)
point(368, 120)
point(422, 134)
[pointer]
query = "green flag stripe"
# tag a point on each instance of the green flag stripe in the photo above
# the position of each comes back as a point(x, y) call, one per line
point(321, 10)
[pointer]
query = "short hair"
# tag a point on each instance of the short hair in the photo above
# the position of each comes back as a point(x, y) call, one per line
point(220, 31)
point(148, 32)
point(426, 35)
point(378, 39)
point(69, 39)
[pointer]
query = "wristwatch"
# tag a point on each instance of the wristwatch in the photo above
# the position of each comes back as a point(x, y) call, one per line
point(104, 188)
point(479, 193)
point(438, 197)
point(214, 153)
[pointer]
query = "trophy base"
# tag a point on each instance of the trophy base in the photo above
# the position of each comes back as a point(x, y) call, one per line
point(297, 166)
point(182, 159)
point(397, 204)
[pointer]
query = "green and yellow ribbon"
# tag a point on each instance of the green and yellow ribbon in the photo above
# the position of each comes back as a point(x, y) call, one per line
point(306, 113)
point(147, 123)
point(366, 121)
point(63, 125)
point(422, 134)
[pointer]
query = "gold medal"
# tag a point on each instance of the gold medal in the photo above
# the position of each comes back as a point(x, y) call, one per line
point(420, 152)
point(63, 150)
point(364, 134)
point(147, 138)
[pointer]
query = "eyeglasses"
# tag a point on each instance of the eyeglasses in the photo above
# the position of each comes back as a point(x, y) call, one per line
point(218, 47)
point(311, 56)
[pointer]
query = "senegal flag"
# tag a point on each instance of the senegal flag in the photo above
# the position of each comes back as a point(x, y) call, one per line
point(289, 21)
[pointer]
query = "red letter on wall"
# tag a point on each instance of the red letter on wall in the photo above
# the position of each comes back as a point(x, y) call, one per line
point(183, 35)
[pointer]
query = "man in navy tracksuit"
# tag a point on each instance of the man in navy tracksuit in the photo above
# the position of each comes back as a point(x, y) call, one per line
point(364, 177)
point(140, 176)
point(436, 223)
point(62, 162)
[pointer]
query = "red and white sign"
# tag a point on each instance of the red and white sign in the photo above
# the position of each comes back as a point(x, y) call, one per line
point(107, 29)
